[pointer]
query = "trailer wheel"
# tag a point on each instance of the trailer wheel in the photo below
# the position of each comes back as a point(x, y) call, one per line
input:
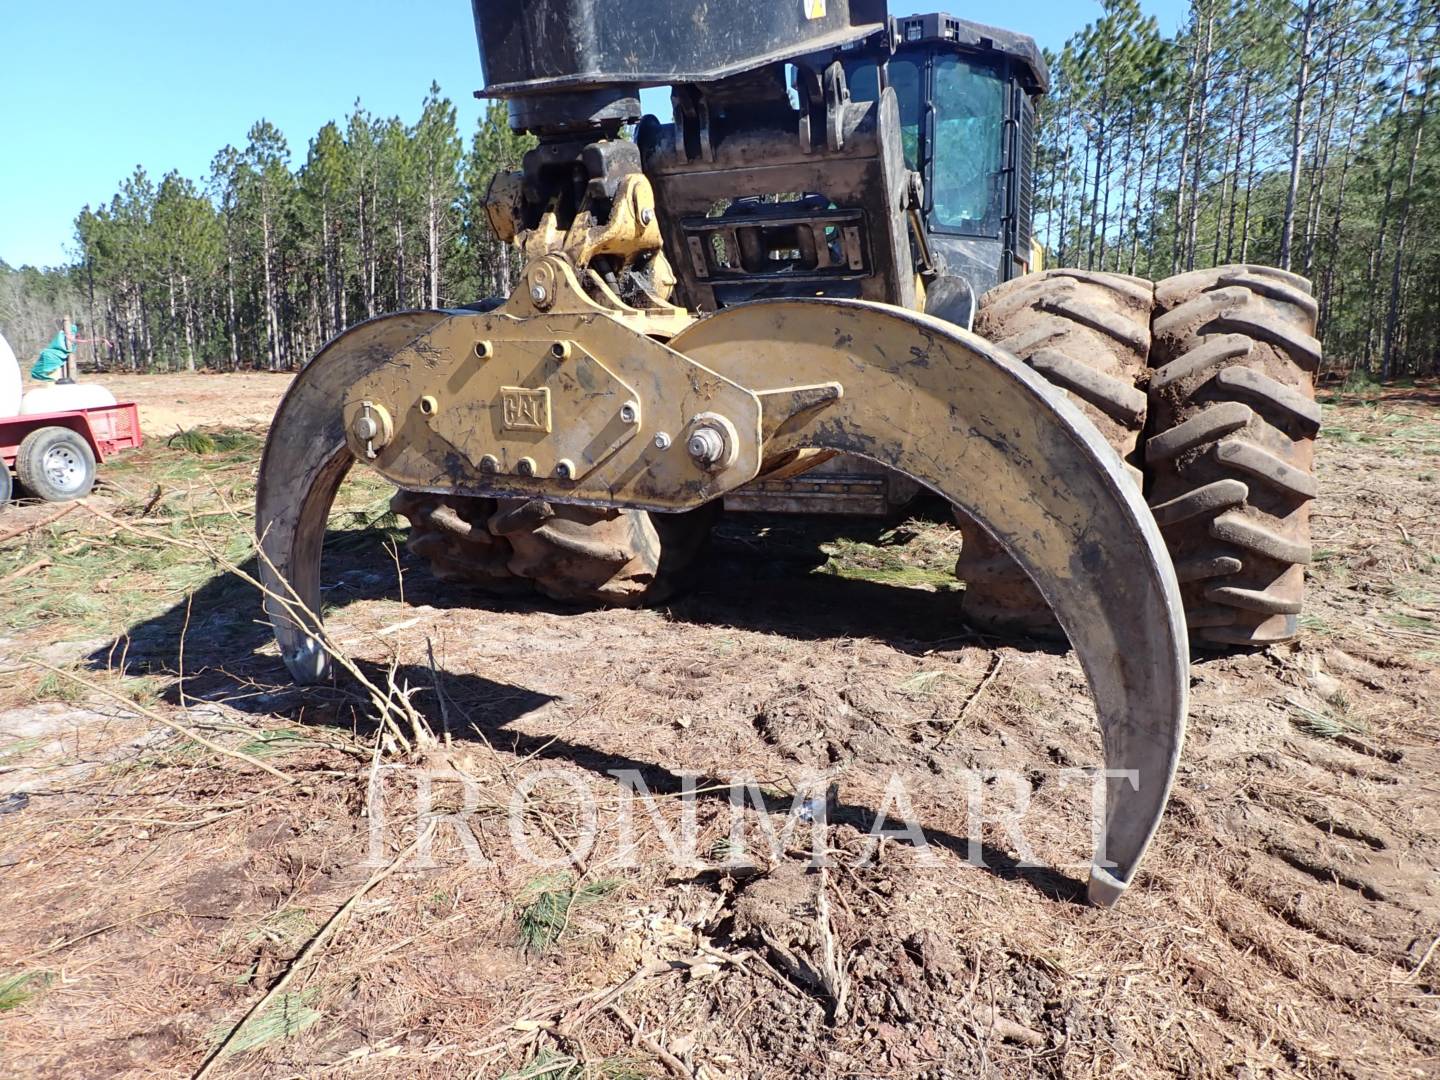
point(55, 464)
point(1089, 334)
point(6, 487)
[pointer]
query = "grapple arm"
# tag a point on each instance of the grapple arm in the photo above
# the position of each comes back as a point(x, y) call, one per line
point(558, 397)
point(963, 417)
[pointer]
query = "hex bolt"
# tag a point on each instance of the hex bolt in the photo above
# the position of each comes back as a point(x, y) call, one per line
point(429, 406)
point(540, 295)
point(647, 216)
point(560, 350)
point(525, 466)
point(629, 412)
point(662, 440)
point(707, 446)
point(489, 464)
point(483, 350)
point(565, 469)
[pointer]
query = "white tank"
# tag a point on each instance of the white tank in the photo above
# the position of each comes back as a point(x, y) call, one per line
point(63, 398)
point(9, 380)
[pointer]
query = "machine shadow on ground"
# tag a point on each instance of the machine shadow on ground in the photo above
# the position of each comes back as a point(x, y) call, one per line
point(227, 658)
point(760, 574)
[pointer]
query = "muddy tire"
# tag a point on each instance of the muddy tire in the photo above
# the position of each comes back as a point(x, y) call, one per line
point(1089, 334)
point(1230, 448)
point(55, 464)
point(573, 554)
point(452, 534)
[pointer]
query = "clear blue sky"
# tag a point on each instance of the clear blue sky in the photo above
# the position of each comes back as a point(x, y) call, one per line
point(90, 89)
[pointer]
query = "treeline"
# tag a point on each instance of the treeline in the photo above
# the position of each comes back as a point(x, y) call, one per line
point(262, 260)
point(1295, 133)
point(33, 304)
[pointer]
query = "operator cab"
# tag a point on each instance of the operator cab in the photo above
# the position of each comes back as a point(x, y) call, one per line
point(751, 213)
point(967, 112)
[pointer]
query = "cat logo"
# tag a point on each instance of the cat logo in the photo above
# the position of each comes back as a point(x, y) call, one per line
point(814, 9)
point(525, 410)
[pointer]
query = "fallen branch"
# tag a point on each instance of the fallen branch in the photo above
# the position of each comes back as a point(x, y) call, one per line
point(833, 978)
point(1415, 972)
point(11, 534)
point(320, 940)
point(25, 571)
point(671, 1062)
point(965, 709)
point(181, 729)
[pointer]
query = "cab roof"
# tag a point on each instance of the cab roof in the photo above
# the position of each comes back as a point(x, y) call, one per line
point(976, 37)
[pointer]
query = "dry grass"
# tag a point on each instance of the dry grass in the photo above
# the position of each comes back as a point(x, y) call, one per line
point(170, 900)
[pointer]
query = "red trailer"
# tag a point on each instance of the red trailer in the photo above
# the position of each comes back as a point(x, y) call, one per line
point(54, 455)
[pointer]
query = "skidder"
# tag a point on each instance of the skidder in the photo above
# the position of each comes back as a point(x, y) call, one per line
point(786, 273)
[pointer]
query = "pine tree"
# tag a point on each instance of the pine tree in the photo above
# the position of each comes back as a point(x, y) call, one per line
point(436, 153)
point(266, 188)
point(1268, 131)
point(494, 148)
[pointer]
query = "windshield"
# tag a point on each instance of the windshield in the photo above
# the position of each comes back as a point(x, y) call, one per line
point(966, 181)
point(969, 117)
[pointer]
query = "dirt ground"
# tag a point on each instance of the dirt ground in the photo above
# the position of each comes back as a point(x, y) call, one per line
point(155, 890)
point(169, 403)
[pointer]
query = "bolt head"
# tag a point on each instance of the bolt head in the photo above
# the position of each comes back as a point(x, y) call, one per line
point(489, 464)
point(538, 294)
point(647, 216)
point(365, 427)
point(629, 412)
point(525, 466)
point(706, 445)
point(565, 469)
point(662, 441)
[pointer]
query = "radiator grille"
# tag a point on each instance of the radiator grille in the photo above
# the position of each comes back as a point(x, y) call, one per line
point(1025, 212)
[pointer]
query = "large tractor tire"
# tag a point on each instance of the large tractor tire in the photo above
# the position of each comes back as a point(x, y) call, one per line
point(1089, 334)
point(569, 553)
point(1231, 448)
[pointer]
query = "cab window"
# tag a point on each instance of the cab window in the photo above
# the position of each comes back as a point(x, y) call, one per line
point(967, 187)
point(906, 80)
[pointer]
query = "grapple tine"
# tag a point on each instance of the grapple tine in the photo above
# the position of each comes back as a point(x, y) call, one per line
point(305, 460)
point(970, 421)
point(911, 392)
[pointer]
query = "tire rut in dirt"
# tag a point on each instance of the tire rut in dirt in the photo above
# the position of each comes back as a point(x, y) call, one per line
point(574, 554)
point(1089, 334)
point(1230, 448)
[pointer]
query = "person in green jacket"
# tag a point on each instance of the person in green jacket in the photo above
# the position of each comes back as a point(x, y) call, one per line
point(53, 358)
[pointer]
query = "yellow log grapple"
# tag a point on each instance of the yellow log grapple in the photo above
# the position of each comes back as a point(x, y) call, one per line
point(753, 290)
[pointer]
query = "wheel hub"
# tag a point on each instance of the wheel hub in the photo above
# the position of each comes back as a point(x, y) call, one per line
point(64, 469)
